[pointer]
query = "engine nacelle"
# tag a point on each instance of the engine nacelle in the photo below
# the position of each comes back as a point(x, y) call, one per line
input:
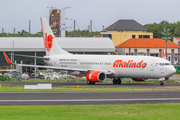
point(140, 79)
point(96, 76)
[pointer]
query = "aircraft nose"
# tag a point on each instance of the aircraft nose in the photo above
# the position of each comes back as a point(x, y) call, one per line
point(172, 70)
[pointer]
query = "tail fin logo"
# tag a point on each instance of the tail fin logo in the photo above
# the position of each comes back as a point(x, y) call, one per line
point(48, 42)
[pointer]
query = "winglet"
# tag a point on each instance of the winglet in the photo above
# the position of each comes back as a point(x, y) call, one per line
point(7, 59)
point(163, 54)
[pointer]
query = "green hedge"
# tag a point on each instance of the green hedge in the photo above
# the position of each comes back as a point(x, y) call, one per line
point(177, 68)
point(4, 78)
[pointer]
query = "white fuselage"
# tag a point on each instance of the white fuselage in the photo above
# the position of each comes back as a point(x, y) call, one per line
point(120, 66)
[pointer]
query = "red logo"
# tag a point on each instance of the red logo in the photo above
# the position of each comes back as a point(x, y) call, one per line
point(129, 64)
point(48, 42)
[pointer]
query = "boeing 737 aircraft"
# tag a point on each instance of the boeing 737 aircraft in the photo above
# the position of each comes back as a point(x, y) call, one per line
point(97, 68)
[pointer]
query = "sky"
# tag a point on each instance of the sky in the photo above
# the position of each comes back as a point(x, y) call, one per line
point(17, 13)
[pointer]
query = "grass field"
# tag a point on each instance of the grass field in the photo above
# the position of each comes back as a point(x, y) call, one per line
point(16, 89)
point(124, 80)
point(92, 112)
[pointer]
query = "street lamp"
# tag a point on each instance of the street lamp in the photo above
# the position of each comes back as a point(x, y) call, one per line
point(13, 54)
point(63, 21)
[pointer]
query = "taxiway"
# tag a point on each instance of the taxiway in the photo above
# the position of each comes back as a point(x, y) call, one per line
point(89, 98)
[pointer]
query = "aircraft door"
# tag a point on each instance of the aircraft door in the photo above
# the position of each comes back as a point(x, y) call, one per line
point(152, 65)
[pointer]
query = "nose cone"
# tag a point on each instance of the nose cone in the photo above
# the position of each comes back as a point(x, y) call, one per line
point(172, 70)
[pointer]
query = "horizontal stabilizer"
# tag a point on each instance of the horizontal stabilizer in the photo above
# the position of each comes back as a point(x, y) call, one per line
point(38, 57)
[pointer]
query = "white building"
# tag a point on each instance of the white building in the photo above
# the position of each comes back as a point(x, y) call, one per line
point(176, 41)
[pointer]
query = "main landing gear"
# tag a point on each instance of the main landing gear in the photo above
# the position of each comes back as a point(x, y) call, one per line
point(116, 81)
point(161, 83)
point(90, 83)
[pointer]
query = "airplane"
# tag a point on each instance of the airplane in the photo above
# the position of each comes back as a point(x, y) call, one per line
point(97, 68)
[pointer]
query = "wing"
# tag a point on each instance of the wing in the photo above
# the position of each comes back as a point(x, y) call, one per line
point(72, 71)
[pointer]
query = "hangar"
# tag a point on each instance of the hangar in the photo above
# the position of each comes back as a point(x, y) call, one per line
point(34, 46)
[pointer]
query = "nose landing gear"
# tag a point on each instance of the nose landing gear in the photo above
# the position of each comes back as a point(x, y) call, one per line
point(161, 83)
point(116, 81)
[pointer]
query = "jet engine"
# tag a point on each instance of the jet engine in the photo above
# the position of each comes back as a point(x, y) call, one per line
point(96, 76)
point(140, 79)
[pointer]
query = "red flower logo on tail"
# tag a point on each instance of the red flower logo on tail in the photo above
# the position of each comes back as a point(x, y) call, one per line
point(48, 42)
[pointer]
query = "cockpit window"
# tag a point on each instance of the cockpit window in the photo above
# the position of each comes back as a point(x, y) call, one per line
point(162, 64)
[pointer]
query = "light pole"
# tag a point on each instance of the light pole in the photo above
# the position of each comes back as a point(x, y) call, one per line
point(63, 22)
point(13, 54)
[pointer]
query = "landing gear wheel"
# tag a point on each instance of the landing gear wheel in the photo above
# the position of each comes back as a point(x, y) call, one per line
point(119, 81)
point(88, 83)
point(161, 83)
point(114, 81)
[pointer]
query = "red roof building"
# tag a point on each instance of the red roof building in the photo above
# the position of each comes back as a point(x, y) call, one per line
point(149, 47)
point(147, 43)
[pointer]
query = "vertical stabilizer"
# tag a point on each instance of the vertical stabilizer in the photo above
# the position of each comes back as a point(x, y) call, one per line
point(50, 44)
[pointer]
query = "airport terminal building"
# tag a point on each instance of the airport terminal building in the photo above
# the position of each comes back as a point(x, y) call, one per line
point(34, 46)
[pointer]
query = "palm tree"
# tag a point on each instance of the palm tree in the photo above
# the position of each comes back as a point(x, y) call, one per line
point(166, 35)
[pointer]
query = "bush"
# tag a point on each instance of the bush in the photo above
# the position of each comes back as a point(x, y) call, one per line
point(4, 78)
point(178, 72)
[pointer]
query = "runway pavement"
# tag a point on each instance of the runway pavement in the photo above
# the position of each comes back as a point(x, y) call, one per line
point(89, 98)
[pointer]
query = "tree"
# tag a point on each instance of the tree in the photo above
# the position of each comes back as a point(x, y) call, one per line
point(157, 28)
point(166, 33)
point(177, 31)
